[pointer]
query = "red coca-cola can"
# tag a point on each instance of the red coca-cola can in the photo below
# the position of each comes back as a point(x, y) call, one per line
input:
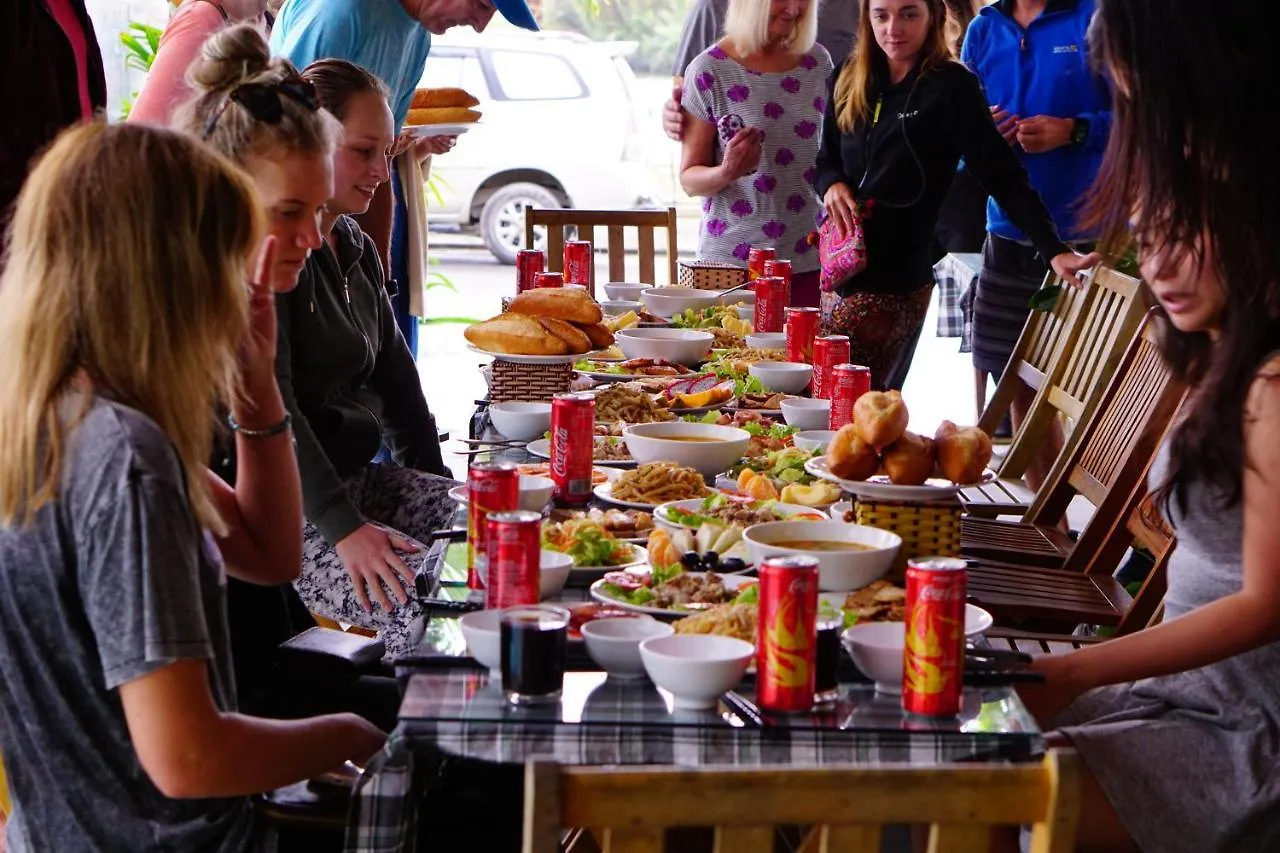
point(515, 558)
point(848, 383)
point(828, 351)
point(787, 638)
point(755, 262)
point(771, 303)
point(548, 279)
point(579, 263)
point(529, 262)
point(933, 659)
point(573, 418)
point(491, 487)
point(779, 268)
point(801, 328)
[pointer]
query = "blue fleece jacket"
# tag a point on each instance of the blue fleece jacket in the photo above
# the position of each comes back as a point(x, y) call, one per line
point(1044, 70)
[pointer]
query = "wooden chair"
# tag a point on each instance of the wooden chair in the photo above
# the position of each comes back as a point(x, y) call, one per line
point(630, 809)
point(1068, 356)
point(646, 223)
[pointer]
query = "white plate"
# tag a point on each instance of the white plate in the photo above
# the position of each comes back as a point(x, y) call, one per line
point(639, 556)
point(604, 492)
point(786, 512)
point(730, 582)
point(426, 130)
point(879, 487)
point(600, 376)
point(542, 449)
point(527, 359)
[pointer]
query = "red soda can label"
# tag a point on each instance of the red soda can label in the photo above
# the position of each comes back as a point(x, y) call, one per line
point(778, 268)
point(787, 640)
point(548, 279)
point(579, 263)
point(491, 487)
point(515, 559)
point(848, 383)
point(801, 328)
point(755, 262)
point(771, 303)
point(529, 262)
point(573, 419)
point(828, 351)
point(933, 658)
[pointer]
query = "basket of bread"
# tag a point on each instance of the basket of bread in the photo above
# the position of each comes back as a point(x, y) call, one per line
point(445, 111)
point(710, 275)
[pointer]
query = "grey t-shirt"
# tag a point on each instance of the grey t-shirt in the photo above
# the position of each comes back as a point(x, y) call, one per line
point(111, 581)
point(704, 25)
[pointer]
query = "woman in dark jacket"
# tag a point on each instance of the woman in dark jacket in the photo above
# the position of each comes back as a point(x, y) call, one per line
point(901, 115)
point(349, 379)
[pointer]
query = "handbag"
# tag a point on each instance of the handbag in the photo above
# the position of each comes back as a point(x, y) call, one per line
point(841, 257)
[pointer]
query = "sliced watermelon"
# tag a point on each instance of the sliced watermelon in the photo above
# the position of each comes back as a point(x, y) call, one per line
point(681, 386)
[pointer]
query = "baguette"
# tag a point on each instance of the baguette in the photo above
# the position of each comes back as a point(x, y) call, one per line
point(563, 303)
point(443, 115)
point(574, 338)
point(599, 334)
point(448, 96)
point(515, 334)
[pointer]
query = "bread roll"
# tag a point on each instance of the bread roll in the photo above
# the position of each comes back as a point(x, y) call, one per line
point(448, 96)
point(563, 303)
point(963, 452)
point(849, 457)
point(881, 417)
point(574, 338)
point(515, 334)
point(909, 461)
point(443, 115)
point(599, 334)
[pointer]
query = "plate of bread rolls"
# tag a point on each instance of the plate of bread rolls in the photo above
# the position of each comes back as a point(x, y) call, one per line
point(546, 325)
point(877, 457)
point(446, 111)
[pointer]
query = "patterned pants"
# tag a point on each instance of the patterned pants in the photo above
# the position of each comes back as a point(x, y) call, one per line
point(411, 503)
point(879, 326)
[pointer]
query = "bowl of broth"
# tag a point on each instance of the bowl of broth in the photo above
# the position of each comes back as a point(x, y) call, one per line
point(707, 448)
point(849, 556)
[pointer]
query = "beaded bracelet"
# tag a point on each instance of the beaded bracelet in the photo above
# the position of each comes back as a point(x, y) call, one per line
point(265, 432)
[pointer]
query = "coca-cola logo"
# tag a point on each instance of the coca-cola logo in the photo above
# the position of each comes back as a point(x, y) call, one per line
point(483, 487)
point(559, 449)
point(935, 593)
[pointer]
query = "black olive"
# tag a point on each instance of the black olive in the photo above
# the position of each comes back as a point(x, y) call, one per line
point(711, 560)
point(690, 560)
point(732, 564)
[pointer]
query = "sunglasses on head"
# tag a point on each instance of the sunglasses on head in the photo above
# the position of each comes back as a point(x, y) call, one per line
point(262, 100)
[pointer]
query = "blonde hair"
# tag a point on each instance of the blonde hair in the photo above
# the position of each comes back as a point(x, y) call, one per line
point(239, 56)
point(858, 78)
point(746, 23)
point(126, 267)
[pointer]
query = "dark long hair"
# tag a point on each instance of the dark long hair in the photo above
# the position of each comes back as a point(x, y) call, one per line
point(960, 13)
point(1191, 152)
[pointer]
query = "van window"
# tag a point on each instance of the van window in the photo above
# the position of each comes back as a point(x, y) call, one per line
point(455, 69)
point(525, 76)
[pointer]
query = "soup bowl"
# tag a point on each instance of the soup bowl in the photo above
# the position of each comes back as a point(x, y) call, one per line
point(789, 377)
point(625, 290)
point(706, 448)
point(806, 413)
point(683, 346)
point(667, 302)
point(877, 647)
point(849, 556)
point(521, 420)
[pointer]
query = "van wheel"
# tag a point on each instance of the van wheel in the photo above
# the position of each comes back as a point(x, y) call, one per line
point(502, 219)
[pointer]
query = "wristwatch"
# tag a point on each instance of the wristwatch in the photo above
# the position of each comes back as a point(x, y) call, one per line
point(1079, 131)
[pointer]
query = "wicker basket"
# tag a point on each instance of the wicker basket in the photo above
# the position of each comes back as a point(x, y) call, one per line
point(927, 529)
point(710, 275)
point(513, 381)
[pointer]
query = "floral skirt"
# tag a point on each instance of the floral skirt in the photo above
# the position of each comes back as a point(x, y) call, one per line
point(879, 326)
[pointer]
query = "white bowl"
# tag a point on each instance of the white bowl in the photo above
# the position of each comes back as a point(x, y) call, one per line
point(656, 443)
point(838, 509)
point(521, 421)
point(614, 307)
point(683, 346)
point(877, 647)
point(696, 669)
point(806, 413)
point(789, 377)
point(746, 295)
point(535, 492)
point(767, 340)
point(625, 290)
point(813, 439)
point(838, 571)
point(480, 629)
point(615, 643)
point(667, 302)
point(555, 572)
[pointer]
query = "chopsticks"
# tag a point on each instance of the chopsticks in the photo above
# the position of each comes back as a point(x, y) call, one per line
point(985, 667)
point(746, 710)
point(1008, 657)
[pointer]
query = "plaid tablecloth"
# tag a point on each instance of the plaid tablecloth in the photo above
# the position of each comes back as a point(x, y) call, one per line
point(957, 279)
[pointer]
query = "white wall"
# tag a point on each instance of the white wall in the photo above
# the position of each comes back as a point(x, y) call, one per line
point(110, 19)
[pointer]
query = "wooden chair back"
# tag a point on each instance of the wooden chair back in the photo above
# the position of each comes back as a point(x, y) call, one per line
point(615, 223)
point(1112, 309)
point(630, 809)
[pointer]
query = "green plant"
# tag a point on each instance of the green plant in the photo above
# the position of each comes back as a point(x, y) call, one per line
point(654, 26)
point(141, 42)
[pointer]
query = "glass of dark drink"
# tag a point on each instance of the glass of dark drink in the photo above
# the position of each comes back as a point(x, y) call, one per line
point(826, 681)
point(533, 651)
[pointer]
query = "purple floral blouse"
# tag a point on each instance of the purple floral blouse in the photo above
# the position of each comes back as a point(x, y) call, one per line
point(776, 206)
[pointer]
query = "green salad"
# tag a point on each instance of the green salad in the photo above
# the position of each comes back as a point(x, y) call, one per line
point(785, 466)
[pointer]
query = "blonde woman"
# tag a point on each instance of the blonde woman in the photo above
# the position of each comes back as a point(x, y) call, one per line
point(754, 102)
point(126, 319)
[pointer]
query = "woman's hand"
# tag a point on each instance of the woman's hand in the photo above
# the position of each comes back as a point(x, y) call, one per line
point(742, 154)
point(1069, 265)
point(1059, 689)
point(425, 147)
point(402, 143)
point(369, 555)
point(258, 349)
point(839, 205)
